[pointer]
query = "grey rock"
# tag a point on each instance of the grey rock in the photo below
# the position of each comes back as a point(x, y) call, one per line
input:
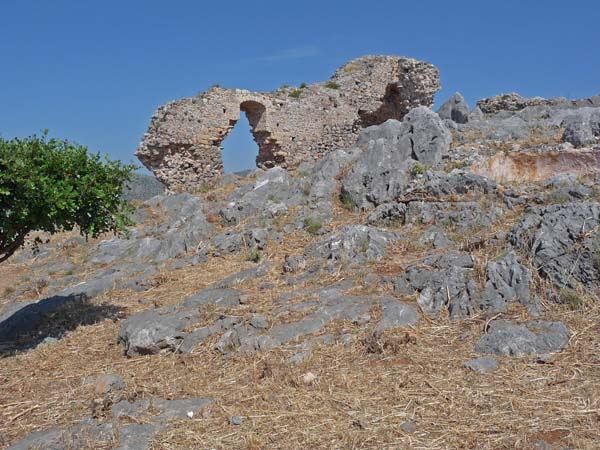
point(257, 238)
point(236, 420)
point(322, 182)
point(408, 427)
point(155, 331)
point(163, 410)
point(106, 384)
point(380, 173)
point(562, 241)
point(136, 436)
point(77, 436)
point(428, 138)
point(162, 329)
point(274, 185)
point(242, 276)
point(396, 314)
point(387, 214)
point(457, 182)
point(506, 338)
point(142, 187)
point(259, 322)
point(294, 263)
point(352, 244)
point(435, 238)
point(441, 281)
point(299, 358)
point(561, 179)
point(485, 364)
point(182, 228)
point(507, 281)
point(581, 130)
point(455, 109)
point(476, 114)
point(452, 215)
point(222, 297)
point(226, 243)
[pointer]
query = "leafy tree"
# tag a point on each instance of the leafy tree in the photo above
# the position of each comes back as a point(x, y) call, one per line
point(54, 185)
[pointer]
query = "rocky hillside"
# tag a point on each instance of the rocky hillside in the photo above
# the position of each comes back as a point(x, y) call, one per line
point(434, 285)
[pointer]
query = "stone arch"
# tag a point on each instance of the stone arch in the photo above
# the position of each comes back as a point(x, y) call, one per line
point(269, 151)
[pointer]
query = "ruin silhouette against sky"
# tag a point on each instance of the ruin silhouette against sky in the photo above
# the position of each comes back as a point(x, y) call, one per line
point(95, 72)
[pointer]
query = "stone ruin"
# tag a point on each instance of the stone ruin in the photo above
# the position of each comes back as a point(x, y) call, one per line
point(183, 144)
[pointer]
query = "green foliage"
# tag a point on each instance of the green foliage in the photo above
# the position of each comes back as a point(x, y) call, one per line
point(253, 255)
point(364, 245)
point(303, 85)
point(332, 85)
point(460, 164)
point(295, 93)
point(52, 185)
point(203, 188)
point(571, 298)
point(348, 202)
point(8, 290)
point(312, 225)
point(419, 169)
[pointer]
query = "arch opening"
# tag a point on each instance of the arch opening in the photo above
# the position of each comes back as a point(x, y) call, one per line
point(239, 148)
point(239, 152)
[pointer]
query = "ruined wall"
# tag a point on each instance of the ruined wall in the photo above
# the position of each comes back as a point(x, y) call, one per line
point(183, 143)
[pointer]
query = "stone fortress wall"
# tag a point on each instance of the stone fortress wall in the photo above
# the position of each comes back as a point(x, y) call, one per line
point(182, 146)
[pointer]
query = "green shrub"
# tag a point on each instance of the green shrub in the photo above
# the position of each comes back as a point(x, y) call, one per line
point(295, 93)
point(253, 255)
point(303, 85)
point(419, 169)
point(203, 188)
point(332, 85)
point(571, 298)
point(312, 225)
point(53, 185)
point(348, 202)
point(8, 290)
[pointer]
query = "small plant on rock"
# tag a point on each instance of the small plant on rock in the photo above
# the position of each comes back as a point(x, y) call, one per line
point(332, 85)
point(571, 298)
point(295, 93)
point(253, 255)
point(419, 169)
point(313, 225)
point(348, 202)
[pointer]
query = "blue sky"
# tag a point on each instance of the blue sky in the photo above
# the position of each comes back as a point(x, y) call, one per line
point(94, 71)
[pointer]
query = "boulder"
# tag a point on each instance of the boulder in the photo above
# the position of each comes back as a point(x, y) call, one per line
point(507, 281)
point(563, 242)
point(485, 364)
point(452, 215)
point(455, 109)
point(352, 244)
point(381, 172)
point(578, 131)
point(441, 281)
point(506, 338)
point(387, 214)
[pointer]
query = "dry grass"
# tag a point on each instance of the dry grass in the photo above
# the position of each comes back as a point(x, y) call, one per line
point(362, 395)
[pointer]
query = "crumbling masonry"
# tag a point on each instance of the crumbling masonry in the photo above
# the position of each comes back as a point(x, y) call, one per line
point(183, 143)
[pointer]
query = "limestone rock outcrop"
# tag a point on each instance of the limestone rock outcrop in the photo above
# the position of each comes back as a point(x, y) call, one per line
point(183, 143)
